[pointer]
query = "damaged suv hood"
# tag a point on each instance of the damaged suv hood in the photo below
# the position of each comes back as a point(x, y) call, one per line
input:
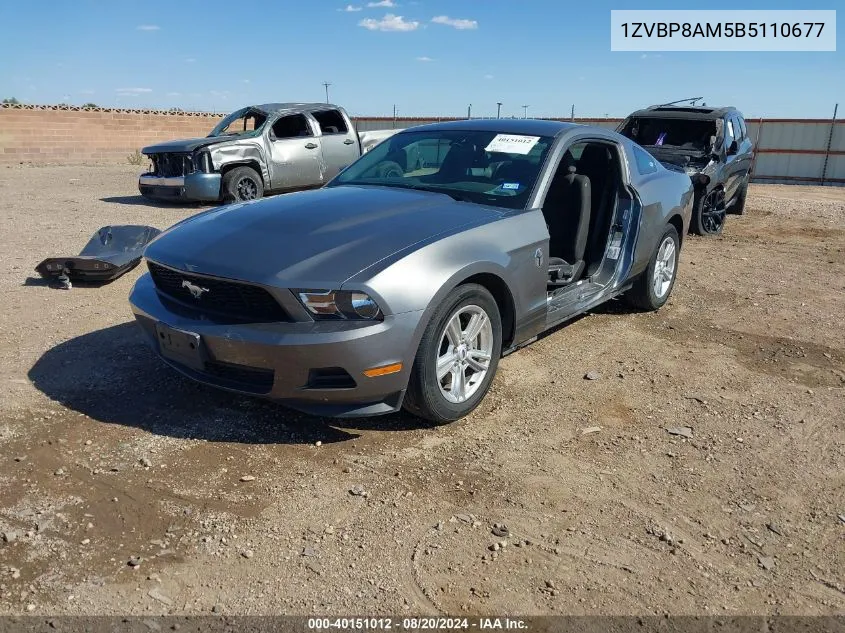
point(184, 145)
point(312, 239)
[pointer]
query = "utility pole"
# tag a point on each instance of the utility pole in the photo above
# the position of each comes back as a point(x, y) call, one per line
point(469, 111)
point(572, 113)
point(525, 112)
point(394, 115)
point(498, 109)
point(327, 84)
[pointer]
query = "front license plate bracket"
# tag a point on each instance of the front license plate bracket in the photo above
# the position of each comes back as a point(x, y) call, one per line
point(182, 347)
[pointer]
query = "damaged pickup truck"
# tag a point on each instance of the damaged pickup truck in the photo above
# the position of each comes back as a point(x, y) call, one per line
point(710, 144)
point(256, 150)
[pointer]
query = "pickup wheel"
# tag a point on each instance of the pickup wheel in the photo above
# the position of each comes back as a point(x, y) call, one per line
point(652, 289)
point(457, 357)
point(708, 212)
point(241, 184)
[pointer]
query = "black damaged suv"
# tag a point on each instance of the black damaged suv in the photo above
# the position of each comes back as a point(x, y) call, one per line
point(710, 144)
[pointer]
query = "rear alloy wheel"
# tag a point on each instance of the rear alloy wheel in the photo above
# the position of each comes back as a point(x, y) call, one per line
point(457, 357)
point(708, 215)
point(652, 289)
point(242, 184)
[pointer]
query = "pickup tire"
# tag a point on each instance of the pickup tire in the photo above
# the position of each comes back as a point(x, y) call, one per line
point(241, 184)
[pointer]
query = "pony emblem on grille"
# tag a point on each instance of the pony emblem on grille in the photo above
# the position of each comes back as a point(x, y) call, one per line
point(195, 290)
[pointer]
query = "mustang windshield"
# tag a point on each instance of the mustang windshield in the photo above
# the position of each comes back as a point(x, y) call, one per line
point(243, 122)
point(472, 166)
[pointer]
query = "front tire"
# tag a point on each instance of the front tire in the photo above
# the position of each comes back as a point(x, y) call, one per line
point(708, 213)
point(457, 357)
point(653, 287)
point(242, 184)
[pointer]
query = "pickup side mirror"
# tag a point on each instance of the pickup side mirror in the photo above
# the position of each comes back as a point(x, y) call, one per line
point(733, 148)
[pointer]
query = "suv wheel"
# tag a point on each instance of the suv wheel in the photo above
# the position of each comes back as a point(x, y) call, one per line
point(708, 214)
point(738, 207)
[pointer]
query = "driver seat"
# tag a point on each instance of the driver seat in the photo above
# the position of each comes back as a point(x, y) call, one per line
point(567, 213)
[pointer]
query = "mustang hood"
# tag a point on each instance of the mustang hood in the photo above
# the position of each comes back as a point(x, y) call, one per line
point(184, 145)
point(315, 239)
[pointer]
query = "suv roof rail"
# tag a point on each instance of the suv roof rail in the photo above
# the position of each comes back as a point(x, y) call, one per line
point(691, 101)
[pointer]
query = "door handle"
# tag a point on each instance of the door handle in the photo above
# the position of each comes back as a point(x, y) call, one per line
point(348, 141)
point(311, 146)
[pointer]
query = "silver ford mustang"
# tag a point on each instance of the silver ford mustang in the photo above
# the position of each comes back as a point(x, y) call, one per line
point(404, 280)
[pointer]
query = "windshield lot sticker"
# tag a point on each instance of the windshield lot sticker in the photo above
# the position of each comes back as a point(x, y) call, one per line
point(510, 185)
point(512, 143)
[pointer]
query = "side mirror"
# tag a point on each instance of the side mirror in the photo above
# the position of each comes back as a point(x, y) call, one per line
point(733, 148)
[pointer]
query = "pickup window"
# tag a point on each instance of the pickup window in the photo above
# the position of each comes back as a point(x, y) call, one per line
point(291, 126)
point(331, 122)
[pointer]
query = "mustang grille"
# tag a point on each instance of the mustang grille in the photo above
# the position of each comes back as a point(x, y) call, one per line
point(241, 301)
point(170, 165)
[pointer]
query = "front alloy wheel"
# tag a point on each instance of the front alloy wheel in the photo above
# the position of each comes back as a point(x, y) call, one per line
point(457, 356)
point(709, 213)
point(463, 358)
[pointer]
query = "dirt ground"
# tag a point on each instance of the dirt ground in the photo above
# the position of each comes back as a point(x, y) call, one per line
point(121, 485)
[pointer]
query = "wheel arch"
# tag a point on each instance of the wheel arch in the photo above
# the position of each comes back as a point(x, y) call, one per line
point(678, 222)
point(252, 163)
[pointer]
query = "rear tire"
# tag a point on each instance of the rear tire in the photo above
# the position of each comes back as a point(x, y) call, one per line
point(652, 289)
point(457, 357)
point(242, 184)
point(738, 207)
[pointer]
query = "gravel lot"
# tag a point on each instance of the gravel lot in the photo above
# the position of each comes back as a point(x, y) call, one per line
point(127, 489)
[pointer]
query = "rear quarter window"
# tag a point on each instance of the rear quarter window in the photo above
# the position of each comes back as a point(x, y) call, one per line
point(646, 163)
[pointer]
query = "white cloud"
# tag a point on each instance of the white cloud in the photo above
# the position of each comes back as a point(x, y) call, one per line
point(647, 56)
point(149, 27)
point(86, 92)
point(350, 9)
point(461, 25)
point(246, 81)
point(389, 22)
point(190, 60)
point(132, 91)
point(174, 94)
point(488, 76)
point(424, 59)
point(65, 98)
point(387, 4)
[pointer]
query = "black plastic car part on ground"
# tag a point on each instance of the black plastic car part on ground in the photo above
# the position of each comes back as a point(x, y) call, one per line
point(111, 252)
point(710, 144)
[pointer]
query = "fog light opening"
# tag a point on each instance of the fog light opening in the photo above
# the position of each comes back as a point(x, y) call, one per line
point(384, 370)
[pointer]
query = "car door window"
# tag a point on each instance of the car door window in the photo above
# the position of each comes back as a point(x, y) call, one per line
point(331, 122)
point(291, 126)
point(730, 136)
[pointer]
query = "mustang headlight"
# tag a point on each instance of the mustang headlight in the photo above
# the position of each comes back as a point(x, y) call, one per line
point(340, 304)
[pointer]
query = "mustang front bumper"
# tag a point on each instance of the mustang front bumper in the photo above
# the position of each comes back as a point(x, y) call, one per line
point(197, 186)
point(315, 366)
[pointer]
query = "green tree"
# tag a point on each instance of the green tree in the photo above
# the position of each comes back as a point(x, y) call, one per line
point(89, 106)
point(11, 101)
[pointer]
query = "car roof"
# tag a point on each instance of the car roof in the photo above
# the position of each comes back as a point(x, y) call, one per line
point(528, 127)
point(705, 113)
point(270, 108)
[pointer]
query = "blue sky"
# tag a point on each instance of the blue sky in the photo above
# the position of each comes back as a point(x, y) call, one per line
point(432, 57)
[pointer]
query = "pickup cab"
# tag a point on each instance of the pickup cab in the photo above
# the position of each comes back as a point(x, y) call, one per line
point(259, 149)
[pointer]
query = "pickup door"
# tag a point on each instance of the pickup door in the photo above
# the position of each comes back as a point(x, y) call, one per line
point(339, 140)
point(295, 158)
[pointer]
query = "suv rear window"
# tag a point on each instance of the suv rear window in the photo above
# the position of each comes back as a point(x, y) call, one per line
point(331, 122)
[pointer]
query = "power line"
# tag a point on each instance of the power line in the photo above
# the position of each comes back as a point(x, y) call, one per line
point(327, 84)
